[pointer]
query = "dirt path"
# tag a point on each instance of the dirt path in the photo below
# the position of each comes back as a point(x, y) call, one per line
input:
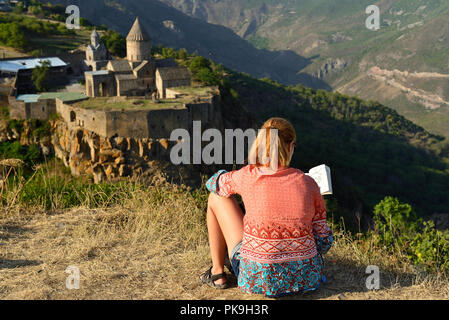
point(34, 255)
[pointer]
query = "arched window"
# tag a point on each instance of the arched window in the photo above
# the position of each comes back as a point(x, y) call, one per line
point(72, 116)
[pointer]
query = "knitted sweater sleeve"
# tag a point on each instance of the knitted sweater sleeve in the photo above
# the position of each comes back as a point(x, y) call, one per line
point(321, 231)
point(224, 183)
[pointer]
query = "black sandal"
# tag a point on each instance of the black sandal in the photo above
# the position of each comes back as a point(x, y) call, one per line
point(209, 279)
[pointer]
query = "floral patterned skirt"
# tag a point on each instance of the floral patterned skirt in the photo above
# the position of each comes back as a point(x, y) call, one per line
point(280, 279)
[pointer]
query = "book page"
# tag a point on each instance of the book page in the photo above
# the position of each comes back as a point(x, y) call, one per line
point(322, 176)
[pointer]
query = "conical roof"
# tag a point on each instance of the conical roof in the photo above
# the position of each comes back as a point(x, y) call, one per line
point(137, 32)
point(95, 33)
point(95, 38)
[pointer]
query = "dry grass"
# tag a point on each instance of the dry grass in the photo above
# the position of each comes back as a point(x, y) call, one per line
point(119, 103)
point(154, 246)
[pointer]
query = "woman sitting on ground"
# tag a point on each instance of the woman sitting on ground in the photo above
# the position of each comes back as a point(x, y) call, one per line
point(276, 247)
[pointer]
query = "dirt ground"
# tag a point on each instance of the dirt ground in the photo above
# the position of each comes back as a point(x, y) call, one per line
point(35, 253)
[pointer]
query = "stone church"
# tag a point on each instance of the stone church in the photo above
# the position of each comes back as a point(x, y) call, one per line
point(97, 56)
point(138, 75)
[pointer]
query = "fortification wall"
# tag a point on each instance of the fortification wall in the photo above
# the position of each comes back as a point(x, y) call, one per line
point(163, 122)
point(142, 124)
point(93, 120)
point(156, 124)
point(127, 124)
point(41, 110)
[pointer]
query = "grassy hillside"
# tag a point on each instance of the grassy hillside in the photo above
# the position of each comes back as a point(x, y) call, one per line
point(372, 150)
point(36, 36)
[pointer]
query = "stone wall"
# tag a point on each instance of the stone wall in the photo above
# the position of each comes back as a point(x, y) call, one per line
point(17, 109)
point(138, 50)
point(41, 110)
point(100, 85)
point(142, 124)
point(127, 124)
point(126, 86)
point(89, 119)
point(163, 85)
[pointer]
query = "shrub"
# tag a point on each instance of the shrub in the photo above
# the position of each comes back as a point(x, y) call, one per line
point(394, 220)
point(430, 248)
point(398, 228)
point(14, 150)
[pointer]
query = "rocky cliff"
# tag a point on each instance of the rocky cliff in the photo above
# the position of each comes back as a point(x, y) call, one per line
point(105, 159)
point(85, 152)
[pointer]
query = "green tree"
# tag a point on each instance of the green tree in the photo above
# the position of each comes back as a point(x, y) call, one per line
point(207, 76)
point(41, 75)
point(115, 43)
point(199, 63)
point(183, 54)
point(36, 10)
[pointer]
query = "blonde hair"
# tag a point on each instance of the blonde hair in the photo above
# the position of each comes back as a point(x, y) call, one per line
point(276, 134)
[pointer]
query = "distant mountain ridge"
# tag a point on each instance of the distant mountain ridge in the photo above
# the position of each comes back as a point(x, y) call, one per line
point(414, 37)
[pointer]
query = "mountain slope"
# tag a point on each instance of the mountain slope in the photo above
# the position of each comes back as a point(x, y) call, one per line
point(372, 150)
point(332, 34)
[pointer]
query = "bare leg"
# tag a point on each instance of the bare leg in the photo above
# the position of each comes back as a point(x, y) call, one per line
point(225, 228)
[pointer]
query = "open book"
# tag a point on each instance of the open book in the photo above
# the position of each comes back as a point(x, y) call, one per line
point(322, 176)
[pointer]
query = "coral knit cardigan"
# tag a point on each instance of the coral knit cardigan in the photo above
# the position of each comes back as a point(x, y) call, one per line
point(285, 213)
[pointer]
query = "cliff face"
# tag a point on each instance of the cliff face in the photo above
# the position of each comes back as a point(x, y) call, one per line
point(85, 152)
point(104, 158)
